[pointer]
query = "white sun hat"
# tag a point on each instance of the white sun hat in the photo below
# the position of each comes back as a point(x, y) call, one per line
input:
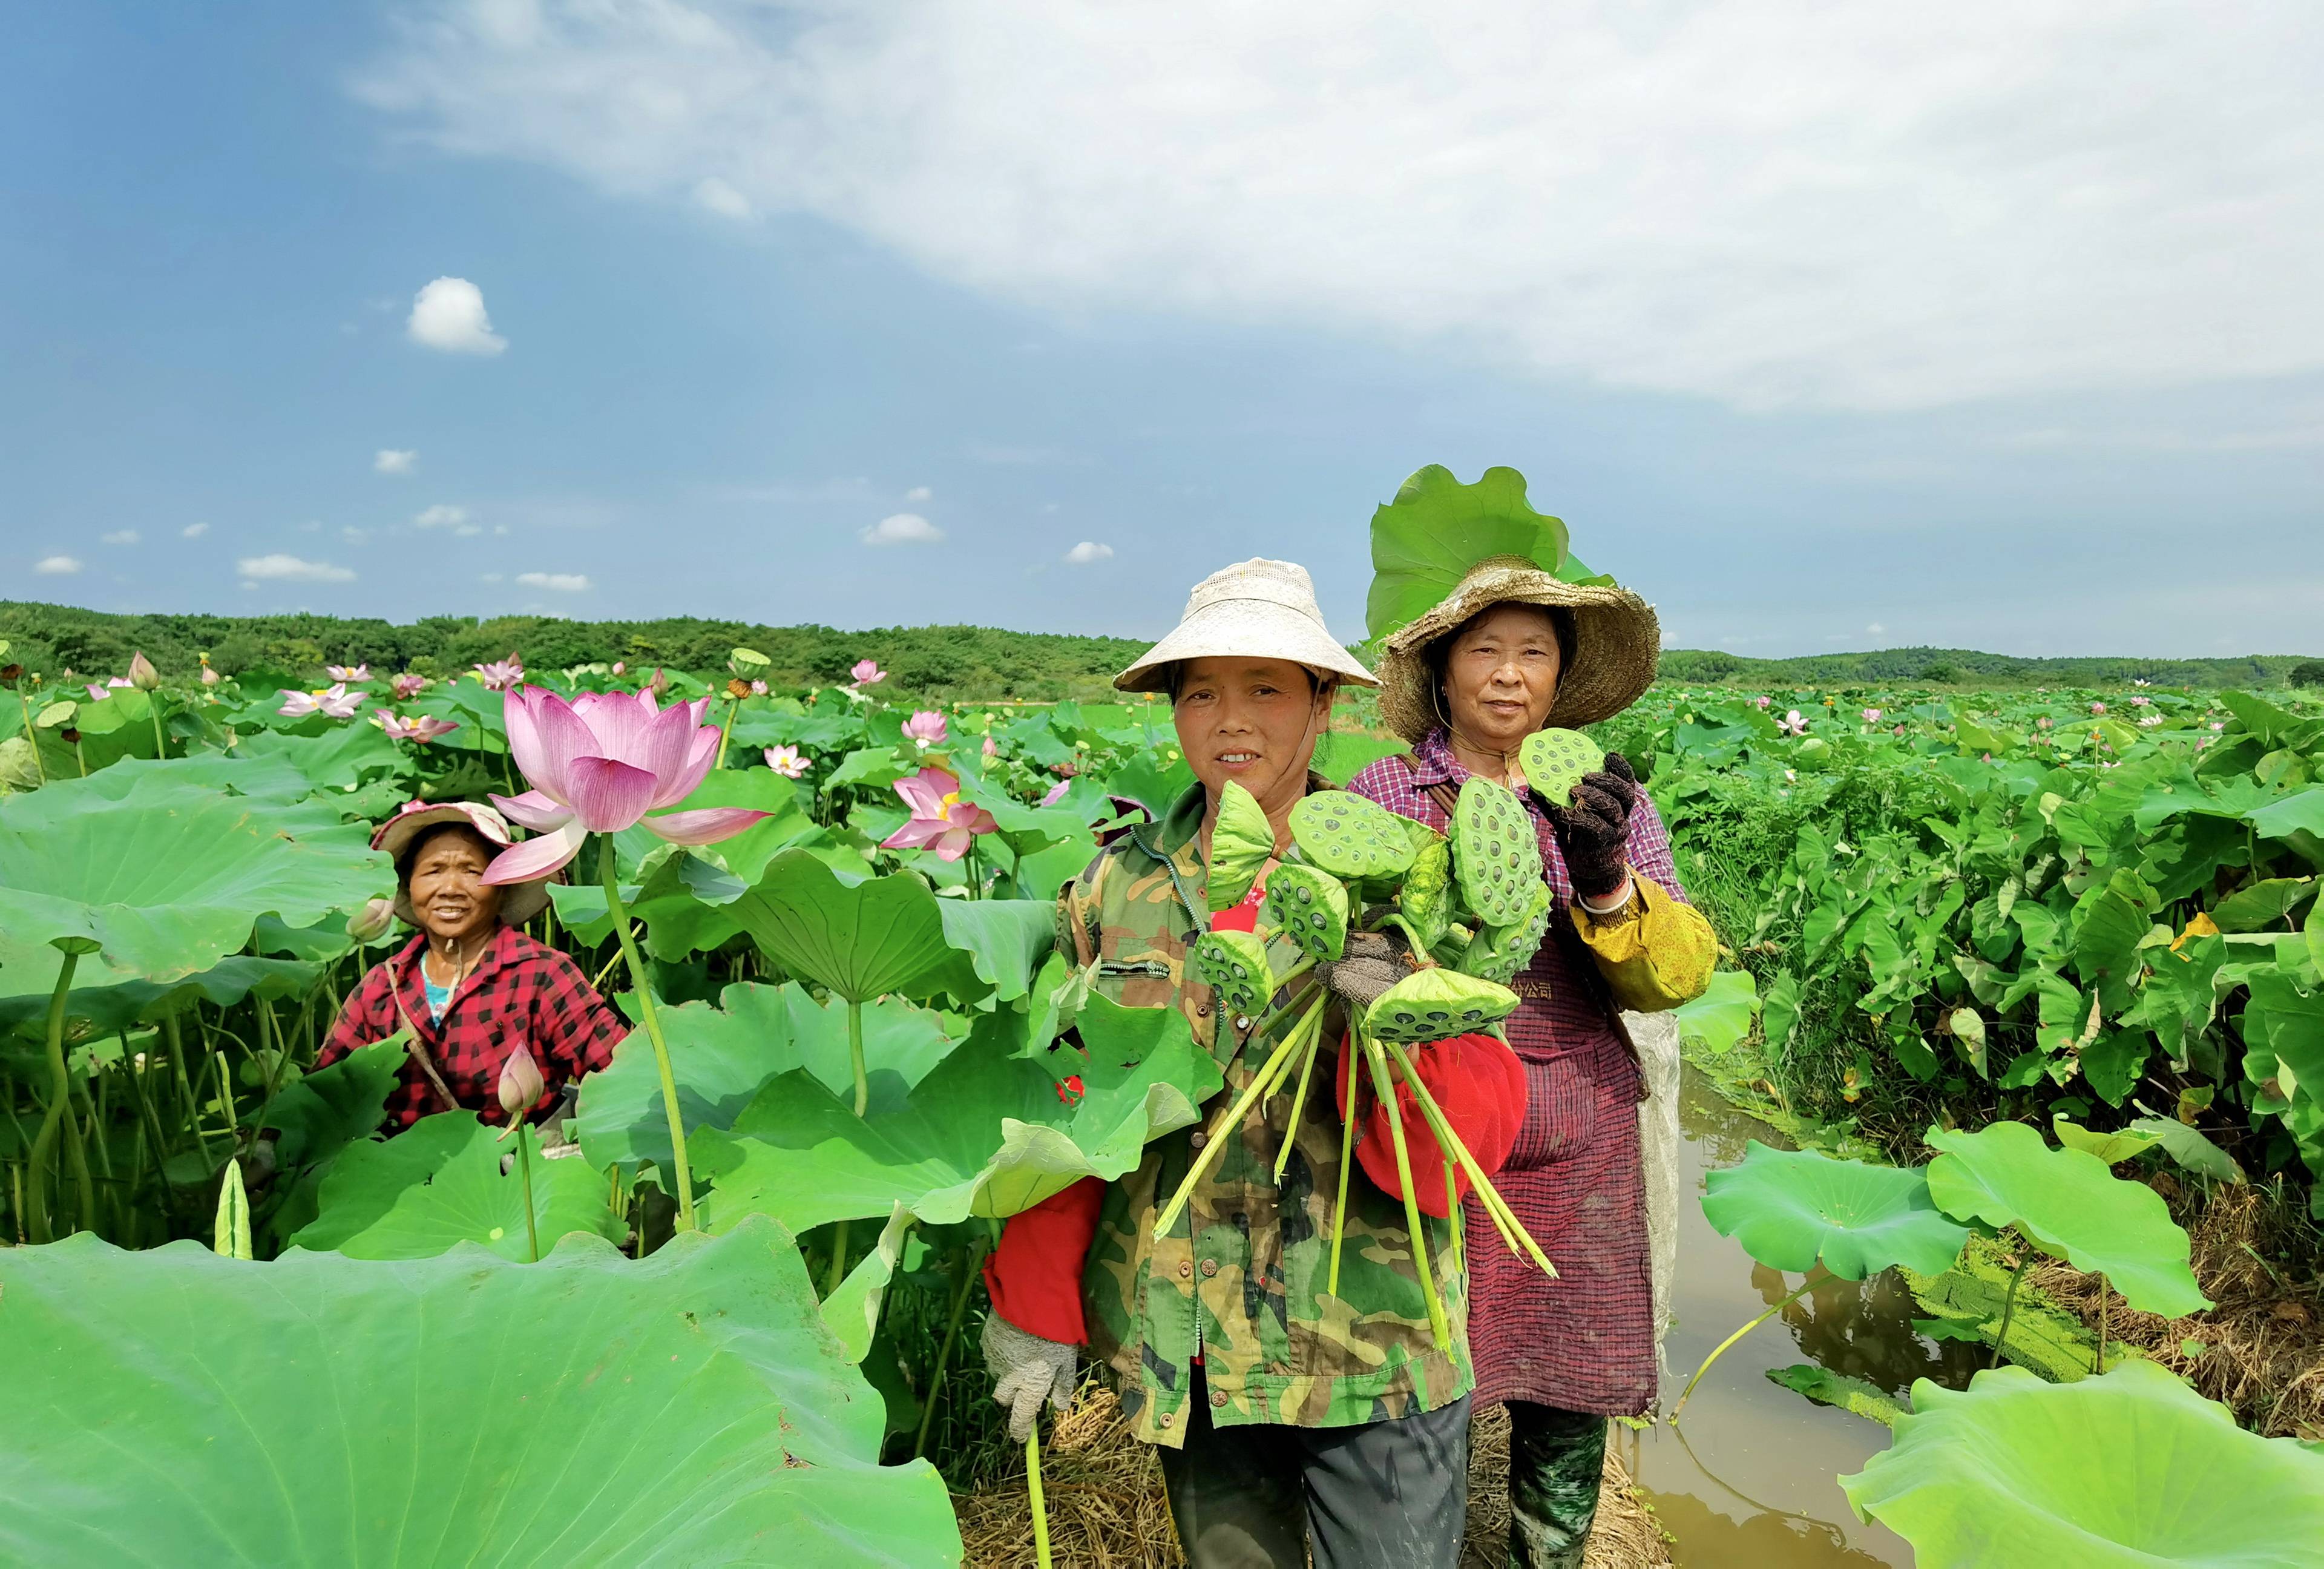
point(1256, 609)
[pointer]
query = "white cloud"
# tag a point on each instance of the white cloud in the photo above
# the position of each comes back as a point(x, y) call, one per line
point(563, 582)
point(1087, 551)
point(442, 515)
point(352, 534)
point(291, 569)
point(1762, 201)
point(919, 493)
point(715, 195)
point(121, 536)
point(449, 315)
point(1876, 629)
point(394, 460)
point(193, 530)
point(903, 529)
point(57, 566)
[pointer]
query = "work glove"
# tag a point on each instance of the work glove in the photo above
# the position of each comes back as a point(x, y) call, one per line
point(1594, 833)
point(1368, 965)
point(1025, 1368)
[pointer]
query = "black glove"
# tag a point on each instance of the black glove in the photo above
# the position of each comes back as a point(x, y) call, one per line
point(1594, 832)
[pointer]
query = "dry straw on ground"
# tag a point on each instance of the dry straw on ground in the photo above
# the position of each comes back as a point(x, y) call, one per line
point(1106, 1510)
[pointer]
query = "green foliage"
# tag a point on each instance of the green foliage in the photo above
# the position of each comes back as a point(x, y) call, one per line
point(1792, 1209)
point(2128, 1470)
point(1426, 539)
point(440, 1183)
point(1827, 1387)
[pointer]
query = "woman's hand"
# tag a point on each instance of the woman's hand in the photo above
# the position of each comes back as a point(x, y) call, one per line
point(1594, 832)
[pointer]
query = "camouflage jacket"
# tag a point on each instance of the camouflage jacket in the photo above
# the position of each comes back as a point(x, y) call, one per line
point(1240, 1280)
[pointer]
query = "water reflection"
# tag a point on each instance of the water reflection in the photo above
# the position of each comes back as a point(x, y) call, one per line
point(1750, 1483)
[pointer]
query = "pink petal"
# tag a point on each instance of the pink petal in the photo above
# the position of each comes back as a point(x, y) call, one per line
point(619, 725)
point(534, 810)
point(706, 826)
point(924, 800)
point(536, 858)
point(668, 744)
point(609, 796)
point(913, 835)
point(526, 749)
point(565, 741)
point(974, 818)
point(954, 844)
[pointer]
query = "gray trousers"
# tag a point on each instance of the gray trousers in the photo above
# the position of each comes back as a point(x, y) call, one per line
point(1385, 1495)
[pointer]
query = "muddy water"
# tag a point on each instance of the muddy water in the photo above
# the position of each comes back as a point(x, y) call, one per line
point(1746, 1480)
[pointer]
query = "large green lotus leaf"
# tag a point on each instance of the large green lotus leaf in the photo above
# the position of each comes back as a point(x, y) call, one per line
point(437, 1184)
point(167, 877)
point(852, 1312)
point(2073, 1206)
point(1425, 541)
point(2130, 1471)
point(320, 1412)
point(341, 754)
point(315, 1115)
point(112, 1008)
point(988, 1132)
point(722, 1057)
point(1721, 1017)
point(1791, 1208)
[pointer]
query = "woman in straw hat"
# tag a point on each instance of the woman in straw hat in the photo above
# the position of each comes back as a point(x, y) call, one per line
point(471, 986)
point(1510, 650)
point(1281, 1411)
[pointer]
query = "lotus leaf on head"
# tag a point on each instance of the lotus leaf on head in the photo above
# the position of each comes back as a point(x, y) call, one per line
point(1792, 1209)
point(2126, 1471)
point(1425, 541)
point(2072, 1207)
point(705, 1367)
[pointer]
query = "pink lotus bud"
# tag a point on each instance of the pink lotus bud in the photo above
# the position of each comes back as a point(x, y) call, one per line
point(407, 686)
point(926, 727)
point(209, 677)
point(621, 667)
point(2097, 707)
point(142, 675)
point(990, 750)
point(373, 921)
point(658, 686)
point(521, 1086)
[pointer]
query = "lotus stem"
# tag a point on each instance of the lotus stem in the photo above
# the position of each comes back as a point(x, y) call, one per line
point(682, 1179)
point(524, 1169)
point(2009, 1304)
point(1416, 1236)
point(2105, 1294)
point(153, 711)
point(1347, 1159)
point(1214, 1146)
point(1512, 1230)
point(1452, 1215)
point(44, 1143)
point(725, 730)
point(837, 1271)
point(855, 1055)
point(32, 736)
point(1298, 1103)
point(972, 1259)
point(1033, 1495)
point(185, 1081)
point(1788, 1298)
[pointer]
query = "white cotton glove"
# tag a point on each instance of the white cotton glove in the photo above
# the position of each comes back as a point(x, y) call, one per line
point(1026, 1369)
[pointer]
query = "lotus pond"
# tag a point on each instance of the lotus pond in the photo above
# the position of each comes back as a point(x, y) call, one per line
point(2015, 964)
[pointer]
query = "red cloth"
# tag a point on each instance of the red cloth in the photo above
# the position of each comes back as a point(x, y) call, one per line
point(1478, 1085)
point(522, 993)
point(1035, 1275)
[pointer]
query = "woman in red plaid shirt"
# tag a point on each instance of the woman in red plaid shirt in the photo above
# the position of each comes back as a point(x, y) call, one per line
point(471, 986)
point(1511, 650)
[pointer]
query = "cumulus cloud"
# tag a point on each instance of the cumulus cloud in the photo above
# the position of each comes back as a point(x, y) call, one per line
point(193, 530)
point(443, 515)
point(1876, 629)
point(121, 536)
point(282, 568)
point(394, 460)
point(1087, 551)
point(903, 529)
point(563, 582)
point(715, 195)
point(57, 566)
point(449, 315)
point(1766, 202)
point(919, 493)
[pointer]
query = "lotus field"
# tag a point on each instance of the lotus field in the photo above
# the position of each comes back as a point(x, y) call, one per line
point(2028, 958)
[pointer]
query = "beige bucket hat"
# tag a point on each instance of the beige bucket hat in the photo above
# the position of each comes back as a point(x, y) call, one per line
point(1616, 642)
point(519, 901)
point(1254, 609)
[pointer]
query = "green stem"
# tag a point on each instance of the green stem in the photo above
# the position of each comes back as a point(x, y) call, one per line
point(724, 730)
point(524, 1169)
point(1214, 1146)
point(185, 1083)
point(837, 1272)
point(154, 708)
point(32, 736)
point(2009, 1303)
point(1789, 1297)
point(2105, 1296)
point(1347, 1159)
point(1512, 1231)
point(1415, 1233)
point(975, 1258)
point(1033, 1495)
point(1298, 1104)
point(44, 1143)
point(683, 1179)
point(855, 1056)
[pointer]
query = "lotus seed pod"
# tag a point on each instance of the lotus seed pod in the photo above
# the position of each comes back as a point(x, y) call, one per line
point(1234, 965)
point(1554, 762)
point(1426, 899)
point(1494, 852)
point(1437, 1004)
point(1350, 836)
point(1497, 953)
point(1241, 841)
point(1309, 907)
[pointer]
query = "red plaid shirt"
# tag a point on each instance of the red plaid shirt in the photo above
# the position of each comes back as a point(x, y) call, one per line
point(1585, 1341)
point(521, 993)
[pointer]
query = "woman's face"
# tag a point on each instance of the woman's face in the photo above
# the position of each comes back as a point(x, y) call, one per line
point(1252, 721)
point(1500, 677)
point(449, 893)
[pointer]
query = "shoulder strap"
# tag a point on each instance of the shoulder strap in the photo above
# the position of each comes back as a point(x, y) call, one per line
point(413, 1044)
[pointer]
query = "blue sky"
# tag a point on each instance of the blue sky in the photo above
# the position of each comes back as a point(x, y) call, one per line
point(1824, 330)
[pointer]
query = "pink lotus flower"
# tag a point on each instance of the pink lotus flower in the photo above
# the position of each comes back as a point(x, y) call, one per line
point(98, 694)
point(2217, 725)
point(786, 761)
point(926, 727)
point(338, 703)
point(2150, 721)
point(941, 821)
point(758, 688)
point(990, 750)
point(1762, 701)
point(2044, 723)
point(408, 686)
point(867, 673)
point(2097, 707)
point(1057, 792)
point(597, 765)
point(424, 729)
point(501, 675)
point(2141, 702)
point(348, 672)
point(1872, 716)
point(1792, 723)
point(621, 667)
point(209, 677)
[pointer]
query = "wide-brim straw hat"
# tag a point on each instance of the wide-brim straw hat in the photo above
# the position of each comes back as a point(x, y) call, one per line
point(1256, 609)
point(519, 901)
point(1616, 642)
